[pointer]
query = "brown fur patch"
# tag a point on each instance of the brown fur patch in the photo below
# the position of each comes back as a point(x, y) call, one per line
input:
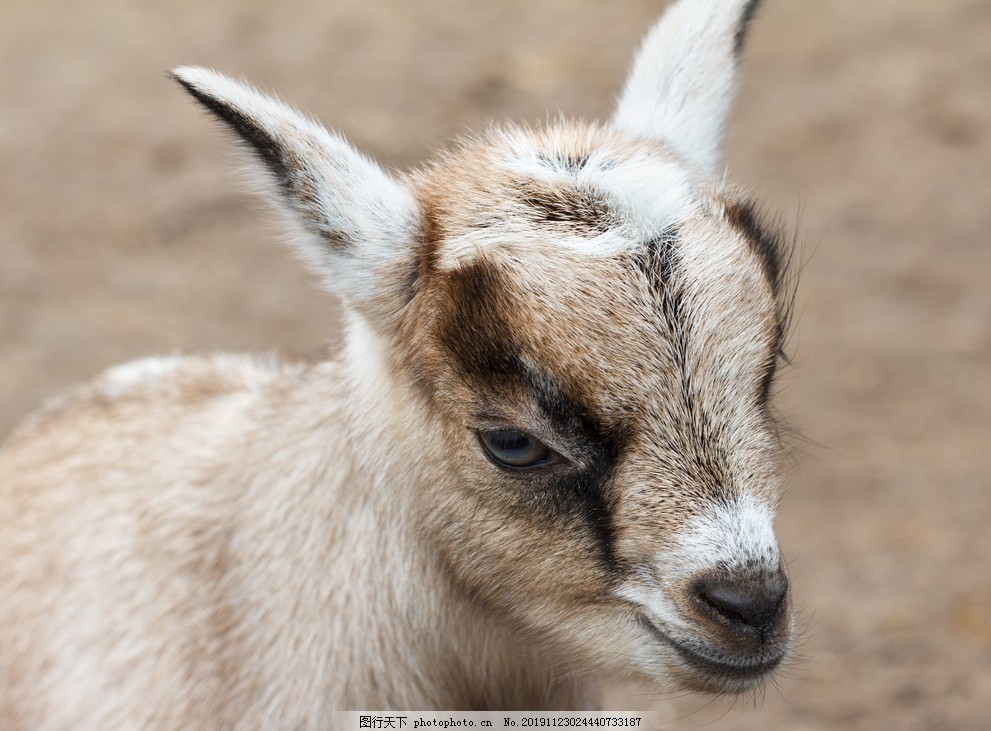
point(576, 206)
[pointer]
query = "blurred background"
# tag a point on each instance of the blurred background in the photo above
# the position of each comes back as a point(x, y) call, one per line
point(125, 231)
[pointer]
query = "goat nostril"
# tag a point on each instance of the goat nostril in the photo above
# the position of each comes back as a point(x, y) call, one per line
point(756, 604)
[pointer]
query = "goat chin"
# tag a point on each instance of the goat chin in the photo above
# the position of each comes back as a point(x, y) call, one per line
point(546, 456)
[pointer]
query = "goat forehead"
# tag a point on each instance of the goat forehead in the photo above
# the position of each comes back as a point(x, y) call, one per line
point(576, 187)
point(596, 262)
point(623, 332)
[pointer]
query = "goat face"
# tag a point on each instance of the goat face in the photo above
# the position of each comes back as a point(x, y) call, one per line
point(596, 333)
point(590, 321)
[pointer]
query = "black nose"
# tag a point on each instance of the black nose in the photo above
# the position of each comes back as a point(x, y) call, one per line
point(747, 602)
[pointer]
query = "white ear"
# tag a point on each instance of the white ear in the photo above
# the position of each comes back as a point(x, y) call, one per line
point(359, 224)
point(683, 78)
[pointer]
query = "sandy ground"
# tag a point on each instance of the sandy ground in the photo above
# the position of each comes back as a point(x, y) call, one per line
point(866, 124)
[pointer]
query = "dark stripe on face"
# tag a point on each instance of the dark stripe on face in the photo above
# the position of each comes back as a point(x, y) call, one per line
point(771, 366)
point(690, 436)
point(658, 263)
point(474, 331)
point(740, 37)
point(764, 242)
point(588, 491)
point(768, 245)
point(767, 380)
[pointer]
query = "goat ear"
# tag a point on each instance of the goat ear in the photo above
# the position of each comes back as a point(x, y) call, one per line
point(358, 223)
point(682, 82)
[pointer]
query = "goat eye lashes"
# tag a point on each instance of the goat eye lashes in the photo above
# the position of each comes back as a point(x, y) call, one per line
point(515, 450)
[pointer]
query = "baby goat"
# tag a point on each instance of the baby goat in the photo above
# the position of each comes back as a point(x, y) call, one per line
point(545, 457)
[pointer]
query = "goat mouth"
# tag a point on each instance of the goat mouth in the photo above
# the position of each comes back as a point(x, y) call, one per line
point(727, 670)
point(716, 673)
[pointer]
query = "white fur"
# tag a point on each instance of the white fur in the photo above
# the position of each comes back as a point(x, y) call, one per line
point(649, 193)
point(354, 199)
point(736, 533)
point(121, 378)
point(655, 194)
point(682, 82)
point(725, 536)
point(652, 193)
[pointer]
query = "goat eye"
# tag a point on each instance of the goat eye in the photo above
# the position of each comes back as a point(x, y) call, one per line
point(515, 449)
